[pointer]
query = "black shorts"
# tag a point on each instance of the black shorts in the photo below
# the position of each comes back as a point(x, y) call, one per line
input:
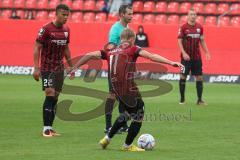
point(52, 80)
point(135, 112)
point(193, 66)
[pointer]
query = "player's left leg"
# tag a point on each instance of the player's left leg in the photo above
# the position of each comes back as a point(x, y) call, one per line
point(57, 83)
point(197, 72)
point(119, 122)
point(137, 118)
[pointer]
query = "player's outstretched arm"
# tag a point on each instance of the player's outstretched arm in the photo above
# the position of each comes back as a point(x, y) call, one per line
point(36, 56)
point(83, 60)
point(158, 58)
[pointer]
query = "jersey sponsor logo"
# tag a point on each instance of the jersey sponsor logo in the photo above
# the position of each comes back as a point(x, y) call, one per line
point(60, 42)
point(41, 32)
point(194, 35)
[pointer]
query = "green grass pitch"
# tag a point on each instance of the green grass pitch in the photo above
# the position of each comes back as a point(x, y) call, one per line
point(195, 133)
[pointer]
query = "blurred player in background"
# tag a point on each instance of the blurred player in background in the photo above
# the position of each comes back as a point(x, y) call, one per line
point(125, 14)
point(189, 37)
point(121, 67)
point(52, 46)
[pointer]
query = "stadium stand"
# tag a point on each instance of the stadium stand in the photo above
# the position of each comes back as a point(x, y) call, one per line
point(137, 18)
point(145, 11)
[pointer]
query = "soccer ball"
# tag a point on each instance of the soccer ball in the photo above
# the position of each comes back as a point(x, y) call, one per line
point(146, 141)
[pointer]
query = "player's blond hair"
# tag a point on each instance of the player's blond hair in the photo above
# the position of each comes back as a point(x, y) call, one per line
point(127, 34)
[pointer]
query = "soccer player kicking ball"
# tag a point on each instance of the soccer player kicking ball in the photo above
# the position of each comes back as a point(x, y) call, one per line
point(52, 45)
point(121, 67)
point(189, 37)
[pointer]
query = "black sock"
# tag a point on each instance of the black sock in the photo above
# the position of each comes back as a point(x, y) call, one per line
point(182, 84)
point(121, 111)
point(132, 132)
point(48, 111)
point(108, 112)
point(199, 86)
point(120, 121)
point(54, 110)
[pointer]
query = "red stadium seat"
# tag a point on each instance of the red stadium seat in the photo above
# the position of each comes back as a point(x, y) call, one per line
point(6, 14)
point(183, 19)
point(235, 21)
point(31, 4)
point(173, 7)
point(161, 7)
point(137, 18)
point(77, 4)
point(149, 6)
point(137, 6)
point(224, 21)
point(77, 17)
point(89, 5)
point(198, 7)
point(210, 21)
point(99, 5)
point(42, 15)
point(67, 2)
point(7, 4)
point(161, 19)
point(52, 15)
point(200, 20)
point(184, 8)
point(235, 8)
point(149, 19)
point(89, 17)
point(43, 4)
point(211, 8)
point(19, 3)
point(173, 19)
point(30, 15)
point(101, 17)
point(222, 8)
point(53, 4)
point(112, 18)
point(21, 13)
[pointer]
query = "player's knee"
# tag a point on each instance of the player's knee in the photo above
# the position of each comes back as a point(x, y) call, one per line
point(183, 77)
point(123, 117)
point(50, 92)
point(199, 78)
point(111, 96)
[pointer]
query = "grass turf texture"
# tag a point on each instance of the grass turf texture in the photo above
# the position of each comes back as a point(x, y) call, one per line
point(211, 132)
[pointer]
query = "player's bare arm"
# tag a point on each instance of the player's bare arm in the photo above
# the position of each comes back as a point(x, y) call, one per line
point(67, 55)
point(84, 60)
point(158, 58)
point(184, 54)
point(205, 48)
point(36, 56)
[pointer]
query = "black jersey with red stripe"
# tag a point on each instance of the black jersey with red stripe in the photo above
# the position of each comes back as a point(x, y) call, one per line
point(191, 36)
point(122, 68)
point(54, 40)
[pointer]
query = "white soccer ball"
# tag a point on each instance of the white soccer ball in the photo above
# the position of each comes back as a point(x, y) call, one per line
point(146, 141)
